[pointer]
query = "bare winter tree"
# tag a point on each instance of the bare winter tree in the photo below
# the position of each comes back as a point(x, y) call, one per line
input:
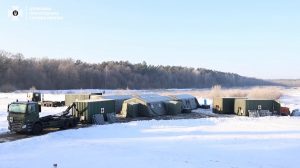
point(17, 72)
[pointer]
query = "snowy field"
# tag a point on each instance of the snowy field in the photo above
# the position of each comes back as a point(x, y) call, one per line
point(237, 142)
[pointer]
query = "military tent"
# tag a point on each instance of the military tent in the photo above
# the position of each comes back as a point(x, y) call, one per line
point(119, 99)
point(188, 101)
point(145, 106)
point(173, 107)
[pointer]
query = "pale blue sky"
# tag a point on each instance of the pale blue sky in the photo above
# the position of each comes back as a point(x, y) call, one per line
point(258, 38)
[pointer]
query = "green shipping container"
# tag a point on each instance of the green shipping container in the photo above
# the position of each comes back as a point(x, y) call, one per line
point(223, 105)
point(88, 108)
point(242, 106)
point(70, 98)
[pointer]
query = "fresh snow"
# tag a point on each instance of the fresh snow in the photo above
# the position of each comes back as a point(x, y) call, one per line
point(208, 142)
point(267, 142)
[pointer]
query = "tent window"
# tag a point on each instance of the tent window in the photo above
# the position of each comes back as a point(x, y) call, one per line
point(152, 106)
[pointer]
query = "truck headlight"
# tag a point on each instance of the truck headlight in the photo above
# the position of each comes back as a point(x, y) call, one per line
point(11, 119)
point(24, 126)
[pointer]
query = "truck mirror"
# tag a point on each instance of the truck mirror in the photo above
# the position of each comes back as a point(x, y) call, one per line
point(7, 108)
point(40, 108)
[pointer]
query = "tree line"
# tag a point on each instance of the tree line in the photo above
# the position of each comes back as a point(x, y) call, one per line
point(17, 72)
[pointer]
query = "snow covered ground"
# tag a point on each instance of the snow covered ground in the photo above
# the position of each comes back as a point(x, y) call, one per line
point(209, 142)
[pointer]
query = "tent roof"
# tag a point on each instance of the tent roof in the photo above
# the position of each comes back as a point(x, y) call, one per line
point(117, 97)
point(94, 100)
point(183, 96)
point(153, 98)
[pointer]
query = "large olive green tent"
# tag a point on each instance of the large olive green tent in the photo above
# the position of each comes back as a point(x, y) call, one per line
point(119, 99)
point(187, 101)
point(173, 107)
point(243, 106)
point(145, 106)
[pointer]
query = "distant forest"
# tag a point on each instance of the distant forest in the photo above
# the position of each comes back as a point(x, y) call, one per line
point(17, 72)
point(287, 82)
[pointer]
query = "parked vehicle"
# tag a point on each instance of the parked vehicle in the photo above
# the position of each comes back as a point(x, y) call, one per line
point(24, 117)
point(295, 112)
point(284, 111)
point(37, 97)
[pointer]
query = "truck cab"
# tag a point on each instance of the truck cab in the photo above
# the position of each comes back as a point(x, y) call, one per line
point(24, 116)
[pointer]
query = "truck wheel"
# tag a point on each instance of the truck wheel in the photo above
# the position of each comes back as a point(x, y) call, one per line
point(66, 125)
point(74, 123)
point(37, 129)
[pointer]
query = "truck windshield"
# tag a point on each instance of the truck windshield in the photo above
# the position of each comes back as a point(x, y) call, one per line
point(17, 108)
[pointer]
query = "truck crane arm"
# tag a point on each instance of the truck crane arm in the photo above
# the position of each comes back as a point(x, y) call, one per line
point(67, 111)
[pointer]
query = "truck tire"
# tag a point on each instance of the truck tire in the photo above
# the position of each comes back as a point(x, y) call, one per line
point(74, 123)
point(37, 129)
point(66, 125)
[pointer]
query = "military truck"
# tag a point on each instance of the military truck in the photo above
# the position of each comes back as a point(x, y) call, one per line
point(23, 117)
point(38, 97)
